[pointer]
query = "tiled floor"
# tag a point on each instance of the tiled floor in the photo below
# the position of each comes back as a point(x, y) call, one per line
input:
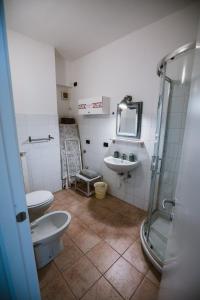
point(102, 257)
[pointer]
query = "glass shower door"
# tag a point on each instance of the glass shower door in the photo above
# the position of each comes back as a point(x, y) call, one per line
point(154, 224)
point(172, 109)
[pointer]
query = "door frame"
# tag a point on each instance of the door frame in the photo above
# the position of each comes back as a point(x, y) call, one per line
point(17, 263)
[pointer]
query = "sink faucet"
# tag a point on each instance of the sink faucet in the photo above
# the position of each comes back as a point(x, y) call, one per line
point(124, 156)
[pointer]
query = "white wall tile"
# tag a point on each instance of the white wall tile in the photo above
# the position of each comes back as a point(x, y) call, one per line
point(43, 159)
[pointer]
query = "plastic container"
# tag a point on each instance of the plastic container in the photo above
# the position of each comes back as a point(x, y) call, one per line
point(100, 189)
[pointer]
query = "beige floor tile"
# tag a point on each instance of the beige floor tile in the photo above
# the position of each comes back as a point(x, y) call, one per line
point(77, 209)
point(81, 276)
point(101, 212)
point(124, 277)
point(47, 274)
point(137, 258)
point(111, 204)
point(120, 243)
point(69, 256)
point(87, 202)
point(133, 231)
point(64, 197)
point(57, 290)
point(100, 227)
point(77, 195)
point(146, 291)
point(102, 256)
point(75, 227)
point(103, 229)
point(88, 218)
point(154, 276)
point(102, 290)
point(86, 240)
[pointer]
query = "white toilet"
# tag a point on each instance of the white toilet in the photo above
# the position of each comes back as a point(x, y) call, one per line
point(38, 202)
point(46, 229)
point(46, 232)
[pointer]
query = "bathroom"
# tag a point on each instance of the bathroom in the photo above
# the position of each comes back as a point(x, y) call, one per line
point(110, 248)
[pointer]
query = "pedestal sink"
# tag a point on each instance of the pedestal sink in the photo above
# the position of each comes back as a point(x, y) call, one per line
point(119, 165)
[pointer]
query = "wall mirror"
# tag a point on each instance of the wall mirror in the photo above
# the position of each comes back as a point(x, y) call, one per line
point(129, 118)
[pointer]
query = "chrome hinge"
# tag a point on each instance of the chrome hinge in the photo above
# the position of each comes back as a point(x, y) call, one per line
point(153, 163)
point(156, 164)
point(167, 201)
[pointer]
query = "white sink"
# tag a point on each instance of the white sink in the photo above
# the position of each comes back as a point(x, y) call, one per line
point(120, 165)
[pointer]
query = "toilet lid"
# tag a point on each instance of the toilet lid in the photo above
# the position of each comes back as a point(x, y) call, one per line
point(38, 198)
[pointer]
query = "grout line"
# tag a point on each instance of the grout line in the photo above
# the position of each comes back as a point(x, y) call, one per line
point(84, 254)
point(118, 291)
point(91, 287)
point(137, 287)
point(65, 281)
point(116, 250)
point(114, 287)
point(135, 267)
point(107, 269)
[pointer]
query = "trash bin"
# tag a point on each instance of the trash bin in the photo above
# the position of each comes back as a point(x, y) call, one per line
point(100, 189)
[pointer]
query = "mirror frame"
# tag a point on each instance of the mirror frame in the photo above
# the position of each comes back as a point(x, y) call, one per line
point(133, 105)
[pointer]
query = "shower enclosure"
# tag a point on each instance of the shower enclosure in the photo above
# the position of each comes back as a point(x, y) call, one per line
point(175, 78)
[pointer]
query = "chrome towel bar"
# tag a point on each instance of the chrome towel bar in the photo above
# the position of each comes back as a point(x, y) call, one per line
point(40, 140)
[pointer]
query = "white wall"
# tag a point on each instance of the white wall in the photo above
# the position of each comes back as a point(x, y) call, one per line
point(64, 106)
point(62, 71)
point(33, 75)
point(128, 66)
point(32, 65)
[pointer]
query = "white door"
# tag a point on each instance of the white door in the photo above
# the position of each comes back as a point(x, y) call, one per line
point(181, 276)
point(18, 275)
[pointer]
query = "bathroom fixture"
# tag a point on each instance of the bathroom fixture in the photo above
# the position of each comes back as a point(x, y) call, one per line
point(125, 102)
point(120, 165)
point(40, 140)
point(46, 236)
point(129, 118)
point(94, 106)
point(45, 229)
point(173, 99)
point(38, 202)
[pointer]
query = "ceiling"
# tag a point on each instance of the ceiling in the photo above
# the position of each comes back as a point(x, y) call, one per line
point(77, 27)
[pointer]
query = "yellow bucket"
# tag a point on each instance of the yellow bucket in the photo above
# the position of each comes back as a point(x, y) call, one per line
point(100, 189)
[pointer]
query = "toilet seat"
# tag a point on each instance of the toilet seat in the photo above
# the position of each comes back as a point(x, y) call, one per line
point(38, 198)
point(49, 226)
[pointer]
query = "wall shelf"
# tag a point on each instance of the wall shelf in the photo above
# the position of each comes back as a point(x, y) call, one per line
point(131, 141)
point(64, 86)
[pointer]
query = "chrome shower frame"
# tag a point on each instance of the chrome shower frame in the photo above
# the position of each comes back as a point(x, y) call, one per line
point(156, 160)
